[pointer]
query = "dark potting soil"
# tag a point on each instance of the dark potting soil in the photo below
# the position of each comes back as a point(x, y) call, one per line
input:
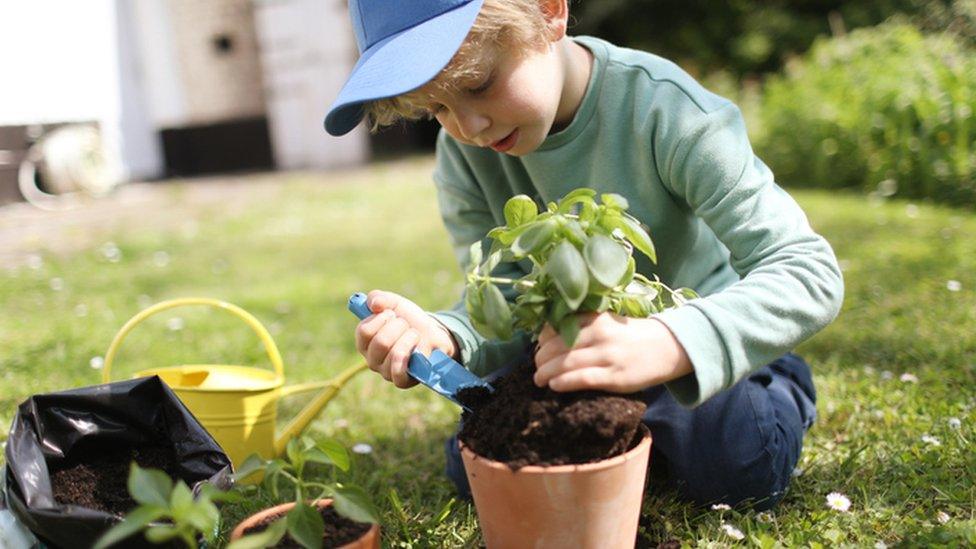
point(521, 424)
point(97, 478)
point(339, 530)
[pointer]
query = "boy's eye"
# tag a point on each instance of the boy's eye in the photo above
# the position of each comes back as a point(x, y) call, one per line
point(483, 87)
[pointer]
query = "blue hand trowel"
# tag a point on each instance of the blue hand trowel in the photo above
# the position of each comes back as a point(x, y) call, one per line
point(439, 372)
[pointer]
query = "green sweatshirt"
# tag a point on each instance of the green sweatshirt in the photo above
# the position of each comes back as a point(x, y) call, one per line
point(680, 155)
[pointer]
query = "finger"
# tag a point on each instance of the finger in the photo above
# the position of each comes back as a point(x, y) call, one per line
point(399, 359)
point(569, 361)
point(384, 340)
point(380, 300)
point(583, 379)
point(367, 329)
point(549, 350)
point(546, 334)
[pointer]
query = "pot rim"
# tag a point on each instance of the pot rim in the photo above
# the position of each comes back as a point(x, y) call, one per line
point(282, 508)
point(568, 468)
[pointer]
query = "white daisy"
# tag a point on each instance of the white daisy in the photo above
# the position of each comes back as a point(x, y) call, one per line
point(954, 423)
point(838, 502)
point(887, 375)
point(911, 211)
point(732, 531)
point(720, 507)
point(340, 423)
point(880, 545)
point(909, 378)
point(81, 309)
point(362, 448)
point(953, 285)
point(942, 517)
point(175, 324)
point(765, 517)
point(111, 252)
point(931, 440)
point(57, 284)
point(35, 262)
point(97, 362)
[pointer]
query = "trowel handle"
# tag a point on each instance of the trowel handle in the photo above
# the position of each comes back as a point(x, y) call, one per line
point(418, 366)
point(357, 304)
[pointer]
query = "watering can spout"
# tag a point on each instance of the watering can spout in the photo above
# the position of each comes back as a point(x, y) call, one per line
point(236, 404)
point(312, 409)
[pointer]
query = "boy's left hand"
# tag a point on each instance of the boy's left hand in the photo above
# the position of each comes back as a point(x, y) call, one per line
point(612, 353)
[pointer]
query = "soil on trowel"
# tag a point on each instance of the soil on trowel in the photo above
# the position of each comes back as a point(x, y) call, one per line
point(521, 424)
point(97, 478)
point(339, 530)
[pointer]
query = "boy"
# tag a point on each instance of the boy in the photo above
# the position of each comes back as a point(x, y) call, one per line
point(525, 109)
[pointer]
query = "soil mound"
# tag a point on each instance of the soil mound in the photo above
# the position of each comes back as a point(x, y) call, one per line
point(521, 424)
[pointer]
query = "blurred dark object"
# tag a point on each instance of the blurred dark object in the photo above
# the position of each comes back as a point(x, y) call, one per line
point(49, 430)
point(748, 37)
point(404, 138)
point(235, 145)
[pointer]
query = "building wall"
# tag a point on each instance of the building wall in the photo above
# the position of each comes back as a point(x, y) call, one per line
point(216, 45)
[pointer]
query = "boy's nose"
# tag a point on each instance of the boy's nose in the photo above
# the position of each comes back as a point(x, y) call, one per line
point(472, 124)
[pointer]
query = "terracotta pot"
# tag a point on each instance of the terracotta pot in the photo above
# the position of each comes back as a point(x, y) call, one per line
point(594, 505)
point(369, 540)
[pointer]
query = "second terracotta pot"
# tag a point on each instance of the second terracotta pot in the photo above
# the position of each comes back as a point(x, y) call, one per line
point(594, 505)
point(369, 540)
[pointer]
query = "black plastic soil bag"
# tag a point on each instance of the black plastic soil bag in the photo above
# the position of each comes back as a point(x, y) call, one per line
point(134, 413)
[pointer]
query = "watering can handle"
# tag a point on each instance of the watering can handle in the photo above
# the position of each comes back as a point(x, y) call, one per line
point(254, 323)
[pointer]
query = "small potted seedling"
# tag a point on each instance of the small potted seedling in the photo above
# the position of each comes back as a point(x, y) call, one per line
point(168, 512)
point(566, 469)
point(322, 514)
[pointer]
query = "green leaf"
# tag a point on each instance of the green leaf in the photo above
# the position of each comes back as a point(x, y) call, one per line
point(474, 303)
point(475, 254)
point(252, 464)
point(567, 268)
point(354, 503)
point(614, 201)
point(212, 493)
point(537, 235)
point(268, 538)
point(606, 259)
point(294, 452)
point(569, 329)
point(595, 302)
point(574, 232)
point(149, 486)
point(180, 500)
point(205, 519)
point(305, 526)
point(336, 452)
point(577, 196)
point(519, 210)
point(634, 307)
point(588, 211)
point(629, 273)
point(133, 522)
point(634, 233)
point(493, 260)
point(162, 533)
point(497, 313)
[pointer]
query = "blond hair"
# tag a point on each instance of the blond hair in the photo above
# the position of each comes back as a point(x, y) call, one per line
point(502, 27)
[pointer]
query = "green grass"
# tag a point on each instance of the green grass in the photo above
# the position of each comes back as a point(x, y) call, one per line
point(292, 260)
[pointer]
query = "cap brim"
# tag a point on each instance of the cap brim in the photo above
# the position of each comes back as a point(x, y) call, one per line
point(400, 63)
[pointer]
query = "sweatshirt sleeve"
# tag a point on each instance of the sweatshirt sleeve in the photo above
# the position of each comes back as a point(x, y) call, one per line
point(468, 218)
point(790, 285)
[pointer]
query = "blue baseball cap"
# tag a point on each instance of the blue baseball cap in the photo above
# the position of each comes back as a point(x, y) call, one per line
point(403, 44)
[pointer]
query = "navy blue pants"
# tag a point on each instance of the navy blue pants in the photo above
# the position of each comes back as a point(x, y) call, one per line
point(740, 445)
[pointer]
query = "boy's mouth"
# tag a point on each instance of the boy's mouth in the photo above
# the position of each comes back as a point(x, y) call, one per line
point(506, 142)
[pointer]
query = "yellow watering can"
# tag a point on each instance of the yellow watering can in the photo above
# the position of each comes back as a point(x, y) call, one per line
point(236, 404)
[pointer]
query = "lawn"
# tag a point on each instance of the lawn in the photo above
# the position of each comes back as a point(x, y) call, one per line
point(896, 373)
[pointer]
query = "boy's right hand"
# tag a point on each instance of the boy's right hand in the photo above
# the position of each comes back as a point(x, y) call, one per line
point(396, 328)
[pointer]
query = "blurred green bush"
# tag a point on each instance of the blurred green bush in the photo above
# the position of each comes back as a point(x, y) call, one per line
point(747, 37)
point(887, 109)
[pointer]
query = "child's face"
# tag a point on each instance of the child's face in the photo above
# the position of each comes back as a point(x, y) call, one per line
point(512, 109)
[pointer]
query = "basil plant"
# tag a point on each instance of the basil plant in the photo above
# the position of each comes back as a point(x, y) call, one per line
point(581, 252)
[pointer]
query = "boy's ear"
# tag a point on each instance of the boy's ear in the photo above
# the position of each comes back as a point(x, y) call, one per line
point(556, 13)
